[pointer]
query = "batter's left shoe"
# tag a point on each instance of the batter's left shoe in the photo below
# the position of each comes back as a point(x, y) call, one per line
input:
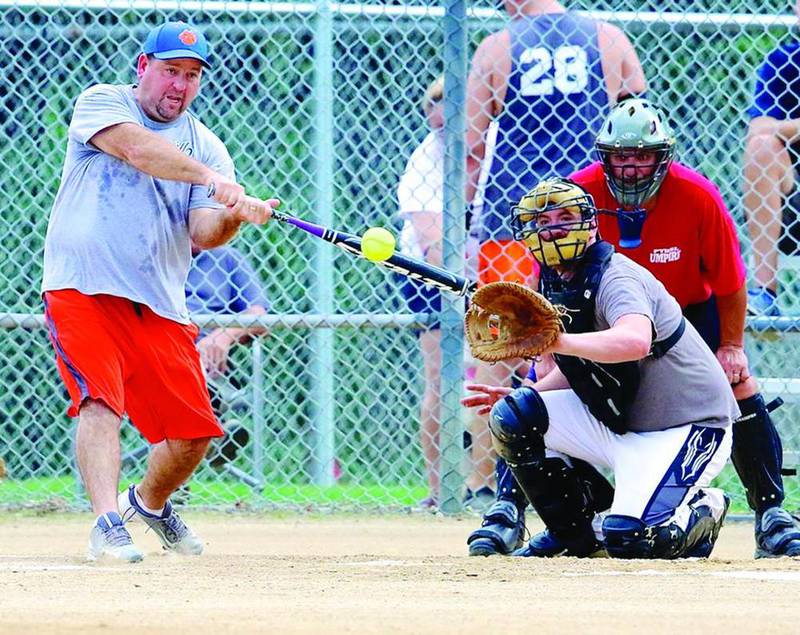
point(110, 538)
point(170, 529)
point(776, 534)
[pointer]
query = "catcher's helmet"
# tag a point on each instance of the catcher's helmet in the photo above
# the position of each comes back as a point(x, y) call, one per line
point(555, 243)
point(635, 125)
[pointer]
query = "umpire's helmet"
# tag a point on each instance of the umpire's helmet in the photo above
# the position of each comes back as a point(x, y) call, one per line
point(634, 127)
point(554, 242)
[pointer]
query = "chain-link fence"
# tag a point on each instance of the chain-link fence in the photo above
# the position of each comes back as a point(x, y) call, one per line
point(323, 105)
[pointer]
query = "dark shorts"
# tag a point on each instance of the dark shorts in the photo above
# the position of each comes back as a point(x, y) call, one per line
point(704, 317)
point(421, 298)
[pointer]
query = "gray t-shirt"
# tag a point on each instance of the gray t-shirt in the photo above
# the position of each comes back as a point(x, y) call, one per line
point(119, 231)
point(687, 385)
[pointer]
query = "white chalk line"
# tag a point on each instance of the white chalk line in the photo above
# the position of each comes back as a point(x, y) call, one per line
point(29, 563)
point(390, 563)
point(24, 564)
point(783, 576)
point(744, 574)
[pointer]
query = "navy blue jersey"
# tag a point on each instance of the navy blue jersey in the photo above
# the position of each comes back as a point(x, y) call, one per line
point(554, 105)
point(777, 91)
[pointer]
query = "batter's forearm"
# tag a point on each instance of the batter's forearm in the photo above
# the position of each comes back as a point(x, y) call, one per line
point(211, 228)
point(151, 154)
point(732, 310)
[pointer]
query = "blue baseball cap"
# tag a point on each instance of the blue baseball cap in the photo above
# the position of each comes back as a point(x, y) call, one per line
point(174, 40)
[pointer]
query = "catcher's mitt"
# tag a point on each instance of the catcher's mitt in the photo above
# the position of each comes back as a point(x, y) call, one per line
point(507, 320)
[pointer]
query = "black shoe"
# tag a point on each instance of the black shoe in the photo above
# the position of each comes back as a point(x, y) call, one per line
point(546, 545)
point(705, 546)
point(502, 530)
point(776, 534)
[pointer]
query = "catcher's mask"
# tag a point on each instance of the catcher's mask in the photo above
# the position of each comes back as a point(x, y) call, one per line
point(636, 147)
point(556, 219)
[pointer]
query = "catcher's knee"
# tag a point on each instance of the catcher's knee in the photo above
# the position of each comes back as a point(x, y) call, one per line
point(628, 537)
point(518, 423)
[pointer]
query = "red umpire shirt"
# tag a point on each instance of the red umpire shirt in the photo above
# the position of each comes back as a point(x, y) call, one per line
point(689, 239)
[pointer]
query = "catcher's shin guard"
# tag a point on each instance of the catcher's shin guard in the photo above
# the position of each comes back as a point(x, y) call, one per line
point(757, 454)
point(518, 423)
point(599, 494)
point(507, 486)
point(563, 501)
point(503, 526)
point(600, 491)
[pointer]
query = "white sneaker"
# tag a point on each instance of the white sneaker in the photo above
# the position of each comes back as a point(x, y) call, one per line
point(109, 537)
point(170, 529)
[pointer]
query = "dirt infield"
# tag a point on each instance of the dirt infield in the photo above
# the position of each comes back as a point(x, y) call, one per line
point(375, 575)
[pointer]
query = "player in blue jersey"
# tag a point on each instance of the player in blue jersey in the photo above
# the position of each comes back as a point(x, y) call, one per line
point(547, 79)
point(771, 164)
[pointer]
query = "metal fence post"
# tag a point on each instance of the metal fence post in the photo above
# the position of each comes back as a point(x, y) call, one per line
point(322, 366)
point(454, 25)
point(259, 419)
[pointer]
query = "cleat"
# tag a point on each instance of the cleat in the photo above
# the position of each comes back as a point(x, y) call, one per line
point(110, 538)
point(762, 302)
point(776, 534)
point(546, 545)
point(501, 532)
point(170, 529)
point(705, 546)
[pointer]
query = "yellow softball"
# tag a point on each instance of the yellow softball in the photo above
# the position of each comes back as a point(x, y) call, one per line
point(377, 244)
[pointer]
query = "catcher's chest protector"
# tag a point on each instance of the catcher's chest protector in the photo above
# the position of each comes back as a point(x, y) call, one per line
point(608, 390)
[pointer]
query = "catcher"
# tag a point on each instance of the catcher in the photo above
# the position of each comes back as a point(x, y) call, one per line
point(634, 389)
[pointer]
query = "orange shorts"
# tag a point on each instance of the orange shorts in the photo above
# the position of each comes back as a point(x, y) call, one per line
point(119, 352)
point(506, 261)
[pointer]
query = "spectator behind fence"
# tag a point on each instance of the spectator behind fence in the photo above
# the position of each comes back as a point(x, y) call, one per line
point(771, 163)
point(421, 197)
point(221, 281)
point(547, 79)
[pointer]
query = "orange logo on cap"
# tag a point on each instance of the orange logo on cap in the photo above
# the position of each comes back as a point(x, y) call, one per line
point(189, 38)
